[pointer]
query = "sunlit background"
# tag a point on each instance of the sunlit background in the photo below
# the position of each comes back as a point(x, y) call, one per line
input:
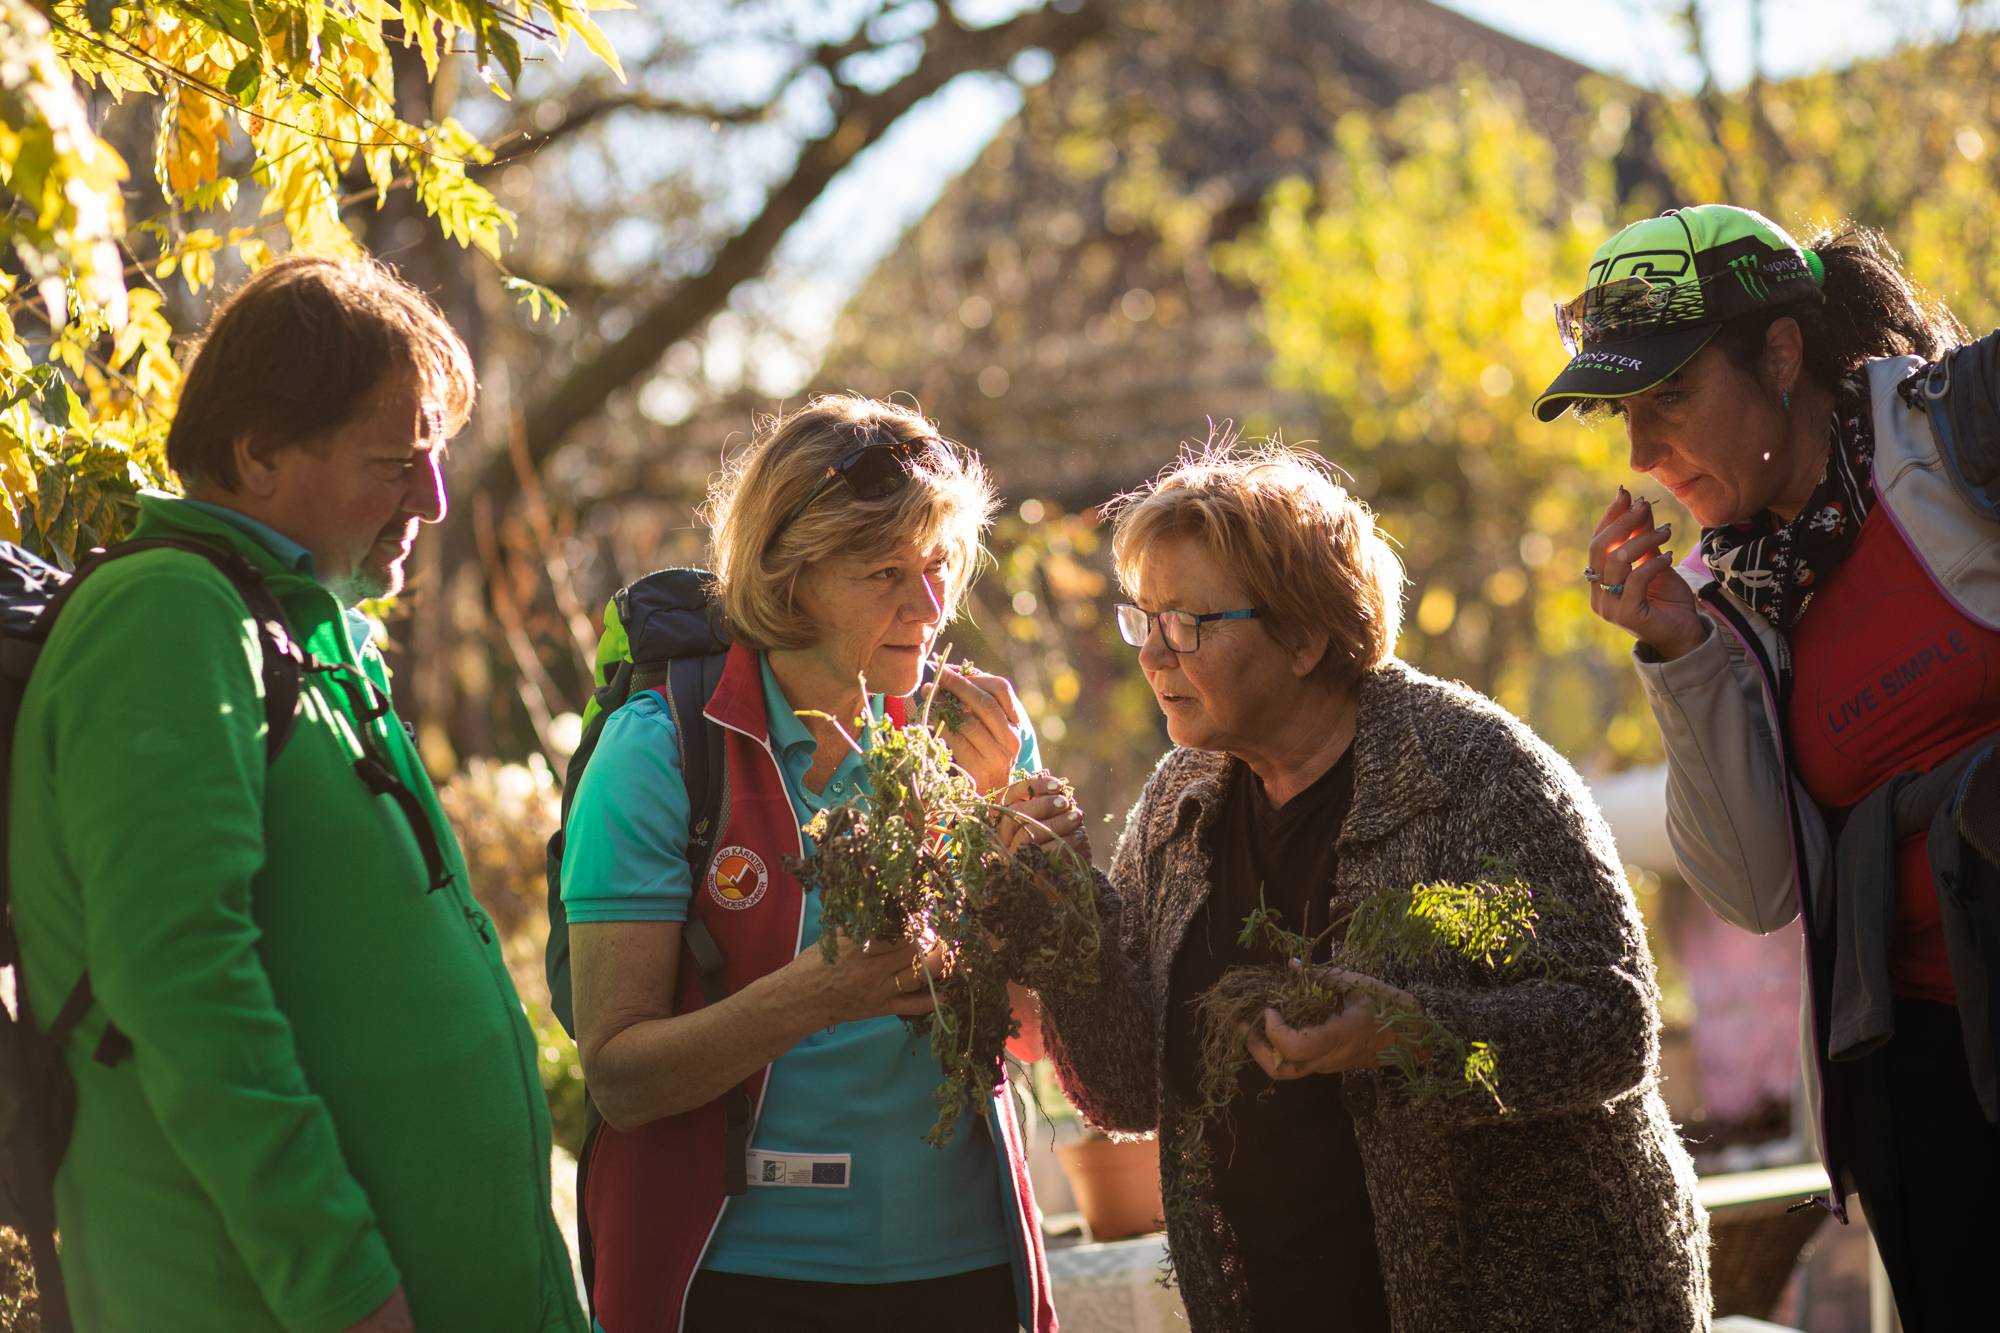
point(1080, 235)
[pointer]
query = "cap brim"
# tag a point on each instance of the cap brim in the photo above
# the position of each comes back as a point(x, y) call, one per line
point(1622, 369)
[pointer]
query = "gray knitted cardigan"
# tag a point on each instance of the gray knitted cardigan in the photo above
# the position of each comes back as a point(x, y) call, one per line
point(1576, 1210)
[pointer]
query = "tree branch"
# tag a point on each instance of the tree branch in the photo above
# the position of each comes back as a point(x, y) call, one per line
point(524, 141)
point(863, 119)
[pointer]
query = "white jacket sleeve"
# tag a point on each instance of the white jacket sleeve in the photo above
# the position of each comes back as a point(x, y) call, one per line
point(1726, 809)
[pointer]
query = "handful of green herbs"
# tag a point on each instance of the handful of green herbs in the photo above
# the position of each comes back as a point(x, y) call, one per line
point(919, 858)
point(1484, 929)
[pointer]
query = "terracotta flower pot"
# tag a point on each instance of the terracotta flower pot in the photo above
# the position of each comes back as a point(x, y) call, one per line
point(1117, 1185)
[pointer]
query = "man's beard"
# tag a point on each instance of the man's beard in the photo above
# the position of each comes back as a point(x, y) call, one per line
point(374, 577)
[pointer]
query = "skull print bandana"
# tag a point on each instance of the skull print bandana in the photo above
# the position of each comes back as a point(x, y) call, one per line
point(1774, 567)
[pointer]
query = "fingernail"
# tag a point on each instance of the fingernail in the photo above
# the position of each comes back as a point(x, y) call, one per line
point(1666, 529)
point(1625, 495)
point(1062, 802)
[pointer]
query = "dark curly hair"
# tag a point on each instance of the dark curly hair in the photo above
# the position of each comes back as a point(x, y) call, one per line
point(1871, 310)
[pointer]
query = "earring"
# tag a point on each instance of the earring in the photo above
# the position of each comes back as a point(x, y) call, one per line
point(1785, 400)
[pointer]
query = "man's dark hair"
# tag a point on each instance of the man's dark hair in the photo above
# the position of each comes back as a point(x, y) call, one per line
point(298, 350)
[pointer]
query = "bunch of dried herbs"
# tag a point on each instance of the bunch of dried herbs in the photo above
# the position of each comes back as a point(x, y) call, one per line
point(918, 857)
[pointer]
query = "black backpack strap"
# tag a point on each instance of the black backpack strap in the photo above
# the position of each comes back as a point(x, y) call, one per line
point(283, 668)
point(690, 682)
point(112, 1045)
point(72, 1011)
point(283, 659)
point(1960, 393)
point(736, 1102)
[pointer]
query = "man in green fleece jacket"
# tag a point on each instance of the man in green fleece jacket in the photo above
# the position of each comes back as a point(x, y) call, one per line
point(329, 1116)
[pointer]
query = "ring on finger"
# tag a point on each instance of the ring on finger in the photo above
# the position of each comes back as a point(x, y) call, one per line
point(1590, 575)
point(1613, 588)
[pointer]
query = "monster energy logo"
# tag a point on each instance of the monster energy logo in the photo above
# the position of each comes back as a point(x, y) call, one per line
point(1748, 273)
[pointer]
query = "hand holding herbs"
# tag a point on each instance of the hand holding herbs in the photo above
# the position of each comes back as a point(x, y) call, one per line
point(1353, 1038)
point(857, 979)
point(920, 859)
point(978, 714)
point(1049, 813)
point(1480, 932)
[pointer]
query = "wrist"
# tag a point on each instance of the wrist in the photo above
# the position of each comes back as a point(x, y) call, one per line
point(800, 999)
point(1681, 645)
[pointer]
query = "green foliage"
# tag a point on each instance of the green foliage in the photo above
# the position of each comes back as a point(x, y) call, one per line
point(1490, 923)
point(284, 95)
point(947, 710)
point(1044, 609)
point(1485, 928)
point(1408, 289)
point(919, 859)
point(562, 1077)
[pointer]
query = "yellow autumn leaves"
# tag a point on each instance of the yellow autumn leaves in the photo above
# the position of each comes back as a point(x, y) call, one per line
point(279, 97)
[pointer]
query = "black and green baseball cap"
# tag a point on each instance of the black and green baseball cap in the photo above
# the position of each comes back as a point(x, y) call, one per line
point(1660, 289)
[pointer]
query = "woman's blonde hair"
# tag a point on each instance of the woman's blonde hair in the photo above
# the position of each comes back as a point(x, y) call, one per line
point(758, 556)
point(1307, 552)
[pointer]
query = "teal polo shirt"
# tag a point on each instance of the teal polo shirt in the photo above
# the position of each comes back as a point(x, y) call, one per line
point(863, 1089)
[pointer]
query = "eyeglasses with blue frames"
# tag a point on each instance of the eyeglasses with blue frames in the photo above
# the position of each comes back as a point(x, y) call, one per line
point(1179, 630)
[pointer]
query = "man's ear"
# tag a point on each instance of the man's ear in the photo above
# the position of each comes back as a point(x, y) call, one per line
point(1308, 655)
point(1783, 362)
point(256, 465)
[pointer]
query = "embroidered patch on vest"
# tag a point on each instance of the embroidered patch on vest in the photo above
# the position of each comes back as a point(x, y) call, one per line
point(737, 878)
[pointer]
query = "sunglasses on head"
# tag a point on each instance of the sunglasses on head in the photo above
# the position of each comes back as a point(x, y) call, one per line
point(872, 470)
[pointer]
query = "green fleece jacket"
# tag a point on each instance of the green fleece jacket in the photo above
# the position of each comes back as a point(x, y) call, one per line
point(332, 1088)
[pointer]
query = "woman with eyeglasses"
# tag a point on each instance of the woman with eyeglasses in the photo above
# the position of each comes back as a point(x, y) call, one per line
point(843, 539)
point(1310, 768)
point(1825, 671)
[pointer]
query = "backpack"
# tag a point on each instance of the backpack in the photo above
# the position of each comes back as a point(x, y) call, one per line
point(663, 630)
point(1960, 393)
point(37, 1090)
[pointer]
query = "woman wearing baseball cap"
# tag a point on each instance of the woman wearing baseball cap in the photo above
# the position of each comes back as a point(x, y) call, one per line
point(1825, 671)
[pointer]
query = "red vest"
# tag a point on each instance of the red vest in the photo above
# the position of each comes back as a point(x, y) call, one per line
point(654, 1197)
point(1890, 676)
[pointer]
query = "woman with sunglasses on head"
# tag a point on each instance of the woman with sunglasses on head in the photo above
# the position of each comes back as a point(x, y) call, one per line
point(1825, 671)
point(842, 541)
point(1311, 768)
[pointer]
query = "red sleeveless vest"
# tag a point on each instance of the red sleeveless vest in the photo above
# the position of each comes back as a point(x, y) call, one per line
point(653, 1197)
